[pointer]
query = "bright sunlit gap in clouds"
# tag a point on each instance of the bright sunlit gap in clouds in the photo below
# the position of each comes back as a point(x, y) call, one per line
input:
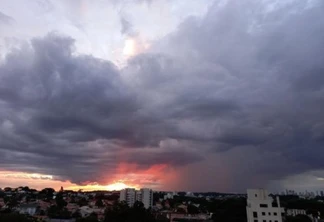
point(129, 48)
point(134, 46)
point(118, 186)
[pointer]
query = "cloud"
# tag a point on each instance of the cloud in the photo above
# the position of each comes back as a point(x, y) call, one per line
point(69, 116)
point(126, 27)
point(267, 68)
point(235, 97)
point(5, 18)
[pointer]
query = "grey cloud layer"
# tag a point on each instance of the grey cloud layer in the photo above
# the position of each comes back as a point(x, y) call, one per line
point(242, 82)
point(5, 18)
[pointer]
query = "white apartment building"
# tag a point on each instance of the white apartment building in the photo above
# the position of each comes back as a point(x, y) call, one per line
point(259, 207)
point(147, 197)
point(128, 195)
point(131, 195)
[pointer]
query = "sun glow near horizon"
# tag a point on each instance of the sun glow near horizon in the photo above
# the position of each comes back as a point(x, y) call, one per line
point(15, 179)
point(118, 186)
point(114, 186)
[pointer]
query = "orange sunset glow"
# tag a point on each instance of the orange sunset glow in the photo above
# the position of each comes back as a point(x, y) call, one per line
point(127, 175)
point(39, 181)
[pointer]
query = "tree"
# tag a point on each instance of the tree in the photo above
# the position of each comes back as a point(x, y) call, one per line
point(6, 199)
point(42, 213)
point(10, 217)
point(230, 210)
point(99, 203)
point(28, 198)
point(192, 209)
point(12, 202)
point(60, 202)
point(120, 212)
point(72, 200)
point(47, 193)
point(7, 189)
point(82, 202)
point(138, 205)
point(298, 218)
point(113, 197)
point(26, 189)
point(76, 214)
point(58, 213)
point(91, 218)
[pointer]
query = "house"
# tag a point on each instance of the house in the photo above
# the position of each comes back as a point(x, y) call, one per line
point(182, 208)
point(168, 196)
point(43, 205)
point(295, 212)
point(29, 209)
point(173, 217)
point(72, 207)
point(158, 206)
point(86, 211)
point(108, 203)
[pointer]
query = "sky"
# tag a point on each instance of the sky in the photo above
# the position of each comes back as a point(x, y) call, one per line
point(208, 95)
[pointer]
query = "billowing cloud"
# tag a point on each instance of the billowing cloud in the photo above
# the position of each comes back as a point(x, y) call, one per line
point(234, 98)
point(71, 116)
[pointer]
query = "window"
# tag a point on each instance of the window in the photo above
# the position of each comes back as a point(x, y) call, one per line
point(255, 195)
point(255, 220)
point(275, 213)
point(263, 205)
point(276, 221)
point(264, 221)
point(263, 213)
point(269, 213)
point(255, 214)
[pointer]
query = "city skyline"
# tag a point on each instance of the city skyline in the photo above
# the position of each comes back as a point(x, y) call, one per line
point(171, 95)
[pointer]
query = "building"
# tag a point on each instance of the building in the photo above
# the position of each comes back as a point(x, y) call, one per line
point(146, 197)
point(131, 195)
point(128, 195)
point(168, 196)
point(295, 212)
point(86, 211)
point(29, 209)
point(260, 207)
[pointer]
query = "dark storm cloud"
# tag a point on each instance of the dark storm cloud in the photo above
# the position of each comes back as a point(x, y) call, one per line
point(172, 158)
point(267, 65)
point(69, 115)
point(238, 94)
